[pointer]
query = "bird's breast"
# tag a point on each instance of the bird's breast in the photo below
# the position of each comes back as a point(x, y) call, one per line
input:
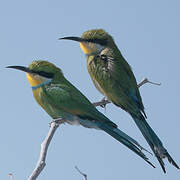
point(94, 74)
point(97, 85)
point(37, 95)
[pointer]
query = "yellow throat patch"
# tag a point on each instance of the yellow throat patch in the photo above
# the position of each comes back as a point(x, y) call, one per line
point(89, 48)
point(34, 80)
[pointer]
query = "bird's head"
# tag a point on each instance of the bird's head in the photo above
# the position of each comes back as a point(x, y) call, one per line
point(93, 41)
point(39, 72)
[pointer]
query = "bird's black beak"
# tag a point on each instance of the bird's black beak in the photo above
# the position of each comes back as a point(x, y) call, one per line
point(22, 68)
point(78, 39)
point(26, 69)
point(102, 42)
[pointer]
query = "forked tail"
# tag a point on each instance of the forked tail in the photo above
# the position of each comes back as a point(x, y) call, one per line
point(154, 142)
point(126, 140)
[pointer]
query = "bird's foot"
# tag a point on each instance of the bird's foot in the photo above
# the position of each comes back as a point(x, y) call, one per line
point(103, 101)
point(57, 121)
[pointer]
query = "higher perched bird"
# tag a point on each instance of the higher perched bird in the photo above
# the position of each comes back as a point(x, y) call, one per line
point(60, 99)
point(113, 77)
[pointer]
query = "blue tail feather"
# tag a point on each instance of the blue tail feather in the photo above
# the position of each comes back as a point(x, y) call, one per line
point(153, 141)
point(126, 140)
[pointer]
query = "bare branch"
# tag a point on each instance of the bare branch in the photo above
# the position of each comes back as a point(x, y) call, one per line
point(145, 80)
point(103, 102)
point(44, 147)
point(85, 175)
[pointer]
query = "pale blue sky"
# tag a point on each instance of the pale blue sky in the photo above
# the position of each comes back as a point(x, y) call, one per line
point(147, 32)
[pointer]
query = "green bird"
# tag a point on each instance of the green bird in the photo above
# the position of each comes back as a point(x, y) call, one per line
point(60, 99)
point(113, 77)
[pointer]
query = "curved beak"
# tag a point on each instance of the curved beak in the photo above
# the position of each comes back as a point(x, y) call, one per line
point(78, 39)
point(22, 68)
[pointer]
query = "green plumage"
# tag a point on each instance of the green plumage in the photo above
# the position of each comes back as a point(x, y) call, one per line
point(113, 77)
point(60, 99)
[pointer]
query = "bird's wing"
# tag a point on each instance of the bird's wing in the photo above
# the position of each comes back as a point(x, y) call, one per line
point(124, 80)
point(119, 70)
point(71, 100)
point(129, 84)
point(118, 75)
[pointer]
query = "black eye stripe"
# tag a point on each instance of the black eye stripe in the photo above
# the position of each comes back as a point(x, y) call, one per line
point(44, 74)
point(102, 42)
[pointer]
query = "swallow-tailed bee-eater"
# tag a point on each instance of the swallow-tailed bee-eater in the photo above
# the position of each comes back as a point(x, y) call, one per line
point(113, 77)
point(60, 99)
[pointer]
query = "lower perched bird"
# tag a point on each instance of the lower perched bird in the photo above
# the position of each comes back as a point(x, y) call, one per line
point(60, 99)
point(113, 77)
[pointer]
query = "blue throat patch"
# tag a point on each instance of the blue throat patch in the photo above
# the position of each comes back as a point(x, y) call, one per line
point(42, 84)
point(95, 53)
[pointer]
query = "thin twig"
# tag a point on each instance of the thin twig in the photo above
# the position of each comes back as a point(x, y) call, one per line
point(44, 147)
point(103, 102)
point(145, 80)
point(85, 175)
